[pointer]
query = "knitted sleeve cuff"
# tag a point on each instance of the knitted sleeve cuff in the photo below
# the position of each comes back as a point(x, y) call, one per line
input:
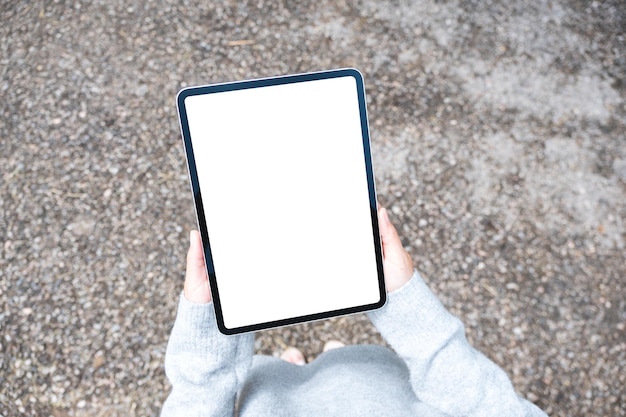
point(195, 330)
point(413, 312)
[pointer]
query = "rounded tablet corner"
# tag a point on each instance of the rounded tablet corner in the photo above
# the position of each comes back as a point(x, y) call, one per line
point(383, 300)
point(225, 330)
point(182, 94)
point(355, 73)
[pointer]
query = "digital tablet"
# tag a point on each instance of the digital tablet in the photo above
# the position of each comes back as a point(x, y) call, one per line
point(281, 174)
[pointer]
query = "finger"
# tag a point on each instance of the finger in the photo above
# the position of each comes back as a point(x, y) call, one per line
point(388, 232)
point(196, 282)
point(196, 270)
point(397, 263)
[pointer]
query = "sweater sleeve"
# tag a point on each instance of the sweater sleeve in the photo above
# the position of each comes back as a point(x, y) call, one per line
point(204, 366)
point(445, 371)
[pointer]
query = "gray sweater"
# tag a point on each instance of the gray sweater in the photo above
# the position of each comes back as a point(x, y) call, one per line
point(434, 371)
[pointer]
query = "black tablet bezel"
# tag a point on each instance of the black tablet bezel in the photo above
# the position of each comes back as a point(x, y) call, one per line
point(195, 187)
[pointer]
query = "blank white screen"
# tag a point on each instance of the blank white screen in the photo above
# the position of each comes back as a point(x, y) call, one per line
point(282, 176)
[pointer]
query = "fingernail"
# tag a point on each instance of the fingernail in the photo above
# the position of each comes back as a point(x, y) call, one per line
point(191, 238)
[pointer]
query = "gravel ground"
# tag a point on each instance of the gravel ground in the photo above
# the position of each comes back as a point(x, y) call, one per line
point(499, 146)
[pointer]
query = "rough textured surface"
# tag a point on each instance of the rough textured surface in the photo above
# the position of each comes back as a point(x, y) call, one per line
point(499, 146)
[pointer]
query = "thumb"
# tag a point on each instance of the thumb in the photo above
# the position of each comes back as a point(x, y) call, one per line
point(388, 234)
point(196, 283)
point(397, 263)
